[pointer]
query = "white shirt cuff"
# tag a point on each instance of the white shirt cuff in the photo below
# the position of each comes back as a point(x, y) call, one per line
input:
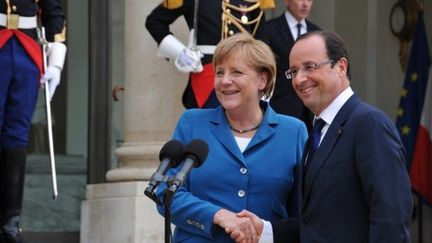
point(267, 233)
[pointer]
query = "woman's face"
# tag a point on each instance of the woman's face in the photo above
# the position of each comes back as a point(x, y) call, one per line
point(238, 85)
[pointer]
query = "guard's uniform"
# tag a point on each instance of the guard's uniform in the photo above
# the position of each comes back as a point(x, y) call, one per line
point(217, 19)
point(21, 63)
point(21, 67)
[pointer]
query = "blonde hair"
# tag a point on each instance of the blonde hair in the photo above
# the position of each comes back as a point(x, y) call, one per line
point(254, 52)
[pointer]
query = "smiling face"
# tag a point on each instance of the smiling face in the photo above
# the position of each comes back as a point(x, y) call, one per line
point(300, 9)
point(237, 85)
point(319, 87)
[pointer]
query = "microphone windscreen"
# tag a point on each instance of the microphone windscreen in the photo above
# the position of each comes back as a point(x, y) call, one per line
point(197, 148)
point(172, 150)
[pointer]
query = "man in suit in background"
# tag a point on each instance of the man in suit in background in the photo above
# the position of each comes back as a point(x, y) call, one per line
point(280, 33)
point(353, 183)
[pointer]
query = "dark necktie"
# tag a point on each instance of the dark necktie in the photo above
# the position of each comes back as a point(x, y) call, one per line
point(298, 30)
point(315, 137)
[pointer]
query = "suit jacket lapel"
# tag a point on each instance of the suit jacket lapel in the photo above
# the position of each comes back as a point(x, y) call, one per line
point(310, 26)
point(223, 133)
point(266, 129)
point(329, 141)
point(285, 30)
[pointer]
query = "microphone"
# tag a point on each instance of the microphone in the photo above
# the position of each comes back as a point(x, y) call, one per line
point(170, 156)
point(194, 155)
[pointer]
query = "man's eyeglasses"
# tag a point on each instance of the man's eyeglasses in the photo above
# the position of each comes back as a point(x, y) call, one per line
point(307, 68)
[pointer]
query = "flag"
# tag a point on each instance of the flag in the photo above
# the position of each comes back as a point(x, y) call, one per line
point(421, 167)
point(413, 90)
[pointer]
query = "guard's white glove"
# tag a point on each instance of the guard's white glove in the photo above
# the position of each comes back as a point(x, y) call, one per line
point(56, 57)
point(52, 78)
point(189, 61)
point(185, 59)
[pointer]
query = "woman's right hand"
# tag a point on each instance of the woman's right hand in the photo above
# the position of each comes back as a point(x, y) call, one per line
point(230, 222)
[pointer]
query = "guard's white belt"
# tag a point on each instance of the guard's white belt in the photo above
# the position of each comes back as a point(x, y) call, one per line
point(206, 49)
point(23, 22)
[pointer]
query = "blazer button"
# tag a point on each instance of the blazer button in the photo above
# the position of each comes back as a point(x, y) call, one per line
point(243, 170)
point(241, 193)
point(305, 221)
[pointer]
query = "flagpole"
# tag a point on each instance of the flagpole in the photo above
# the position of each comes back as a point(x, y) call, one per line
point(420, 219)
point(420, 203)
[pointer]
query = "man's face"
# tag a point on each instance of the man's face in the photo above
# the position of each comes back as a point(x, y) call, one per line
point(300, 9)
point(316, 81)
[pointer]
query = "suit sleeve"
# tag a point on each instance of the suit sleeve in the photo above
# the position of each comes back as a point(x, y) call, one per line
point(287, 230)
point(292, 200)
point(53, 20)
point(380, 162)
point(159, 20)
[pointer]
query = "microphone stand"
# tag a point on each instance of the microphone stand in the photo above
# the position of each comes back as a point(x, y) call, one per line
point(167, 200)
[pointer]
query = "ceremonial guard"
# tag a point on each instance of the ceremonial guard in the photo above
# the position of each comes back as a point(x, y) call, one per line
point(209, 22)
point(21, 74)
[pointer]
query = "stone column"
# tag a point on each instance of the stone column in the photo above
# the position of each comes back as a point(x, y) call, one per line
point(152, 96)
point(118, 211)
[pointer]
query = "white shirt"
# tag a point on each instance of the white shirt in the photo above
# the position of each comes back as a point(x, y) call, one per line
point(292, 24)
point(242, 142)
point(330, 112)
point(328, 115)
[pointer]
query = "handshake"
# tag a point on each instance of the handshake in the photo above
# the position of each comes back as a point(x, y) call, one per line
point(243, 227)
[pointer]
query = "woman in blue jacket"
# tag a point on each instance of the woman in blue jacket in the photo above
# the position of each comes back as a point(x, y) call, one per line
point(253, 152)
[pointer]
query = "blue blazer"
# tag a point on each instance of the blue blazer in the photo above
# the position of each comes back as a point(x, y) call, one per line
point(259, 179)
point(356, 189)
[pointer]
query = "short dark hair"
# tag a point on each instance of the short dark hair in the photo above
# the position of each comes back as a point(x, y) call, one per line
point(336, 48)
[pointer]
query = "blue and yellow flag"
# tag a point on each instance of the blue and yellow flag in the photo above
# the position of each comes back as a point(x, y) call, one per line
point(413, 90)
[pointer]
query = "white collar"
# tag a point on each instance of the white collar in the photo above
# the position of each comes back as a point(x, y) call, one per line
point(292, 22)
point(329, 113)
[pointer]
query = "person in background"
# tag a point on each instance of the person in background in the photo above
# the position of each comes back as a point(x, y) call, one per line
point(253, 151)
point(216, 20)
point(21, 68)
point(280, 34)
point(353, 182)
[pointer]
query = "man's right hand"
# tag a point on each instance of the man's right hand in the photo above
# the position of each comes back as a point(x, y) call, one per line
point(232, 223)
point(257, 223)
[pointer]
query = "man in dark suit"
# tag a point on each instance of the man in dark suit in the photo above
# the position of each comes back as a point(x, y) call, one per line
point(354, 186)
point(280, 33)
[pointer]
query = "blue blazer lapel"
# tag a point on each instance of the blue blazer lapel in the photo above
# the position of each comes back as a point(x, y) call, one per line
point(327, 145)
point(300, 173)
point(223, 133)
point(266, 129)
